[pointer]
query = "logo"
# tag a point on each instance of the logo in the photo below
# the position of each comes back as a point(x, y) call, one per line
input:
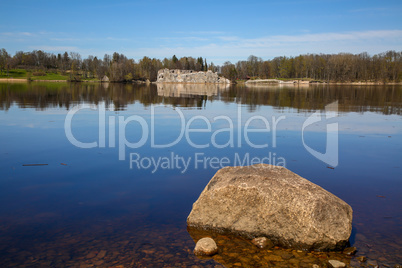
point(220, 132)
point(330, 156)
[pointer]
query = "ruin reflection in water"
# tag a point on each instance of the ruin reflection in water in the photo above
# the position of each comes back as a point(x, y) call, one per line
point(190, 90)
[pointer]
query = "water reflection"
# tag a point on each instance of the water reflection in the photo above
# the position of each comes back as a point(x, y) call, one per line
point(190, 90)
point(381, 99)
point(96, 211)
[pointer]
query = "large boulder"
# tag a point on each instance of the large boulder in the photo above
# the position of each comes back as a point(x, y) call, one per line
point(271, 201)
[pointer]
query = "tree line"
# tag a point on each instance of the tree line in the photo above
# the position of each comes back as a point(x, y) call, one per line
point(342, 67)
point(116, 67)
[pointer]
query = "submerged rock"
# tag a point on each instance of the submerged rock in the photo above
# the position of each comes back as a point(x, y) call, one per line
point(262, 242)
point(336, 264)
point(271, 201)
point(350, 251)
point(235, 249)
point(362, 258)
point(205, 247)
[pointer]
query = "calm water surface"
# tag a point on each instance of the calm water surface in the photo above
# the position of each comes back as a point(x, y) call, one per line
point(111, 206)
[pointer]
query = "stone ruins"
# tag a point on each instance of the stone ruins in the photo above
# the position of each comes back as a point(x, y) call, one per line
point(189, 76)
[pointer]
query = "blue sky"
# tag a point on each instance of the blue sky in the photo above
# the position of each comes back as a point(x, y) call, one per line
point(218, 30)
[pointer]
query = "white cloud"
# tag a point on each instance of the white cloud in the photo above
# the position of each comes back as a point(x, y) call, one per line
point(17, 34)
point(26, 34)
point(65, 39)
point(55, 48)
point(369, 9)
point(229, 38)
point(320, 37)
point(216, 46)
point(201, 32)
point(221, 48)
point(186, 38)
point(117, 39)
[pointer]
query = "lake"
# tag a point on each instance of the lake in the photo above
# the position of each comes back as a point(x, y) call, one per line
point(105, 175)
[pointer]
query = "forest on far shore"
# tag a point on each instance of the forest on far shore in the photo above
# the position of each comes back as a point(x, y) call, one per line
point(341, 67)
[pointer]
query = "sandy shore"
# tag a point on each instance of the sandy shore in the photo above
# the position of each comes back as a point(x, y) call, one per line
point(307, 82)
point(23, 80)
point(13, 80)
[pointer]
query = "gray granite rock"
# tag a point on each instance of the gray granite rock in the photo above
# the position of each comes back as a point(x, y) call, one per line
point(271, 201)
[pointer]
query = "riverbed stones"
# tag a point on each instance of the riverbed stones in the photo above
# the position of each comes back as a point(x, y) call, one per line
point(350, 251)
point(272, 201)
point(262, 242)
point(336, 264)
point(205, 247)
point(361, 258)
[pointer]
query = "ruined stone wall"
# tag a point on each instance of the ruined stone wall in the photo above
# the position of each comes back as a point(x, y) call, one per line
point(188, 76)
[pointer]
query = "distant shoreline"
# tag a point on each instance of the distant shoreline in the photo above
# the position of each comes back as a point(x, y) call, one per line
point(320, 83)
point(275, 82)
point(23, 80)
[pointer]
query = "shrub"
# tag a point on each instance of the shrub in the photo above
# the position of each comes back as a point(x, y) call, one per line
point(39, 73)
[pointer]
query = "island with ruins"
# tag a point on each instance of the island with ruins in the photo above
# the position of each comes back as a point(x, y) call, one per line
point(189, 76)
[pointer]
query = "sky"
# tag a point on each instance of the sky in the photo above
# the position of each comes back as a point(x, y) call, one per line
point(216, 30)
